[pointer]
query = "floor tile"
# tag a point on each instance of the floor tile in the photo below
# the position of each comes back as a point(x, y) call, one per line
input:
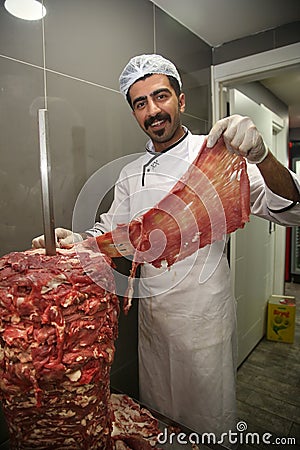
point(268, 388)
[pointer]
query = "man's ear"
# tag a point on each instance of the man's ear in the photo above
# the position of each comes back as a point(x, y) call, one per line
point(181, 102)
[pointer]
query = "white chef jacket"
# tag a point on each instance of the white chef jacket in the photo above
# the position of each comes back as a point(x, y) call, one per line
point(187, 313)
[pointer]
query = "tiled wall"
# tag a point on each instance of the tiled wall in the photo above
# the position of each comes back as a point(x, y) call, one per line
point(74, 72)
point(259, 42)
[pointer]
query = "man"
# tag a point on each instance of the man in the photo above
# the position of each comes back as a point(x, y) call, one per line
point(187, 329)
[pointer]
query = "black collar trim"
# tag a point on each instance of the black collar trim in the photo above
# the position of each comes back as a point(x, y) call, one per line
point(157, 154)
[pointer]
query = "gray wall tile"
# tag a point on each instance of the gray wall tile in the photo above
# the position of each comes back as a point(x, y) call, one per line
point(93, 40)
point(176, 42)
point(196, 86)
point(20, 39)
point(192, 57)
point(21, 92)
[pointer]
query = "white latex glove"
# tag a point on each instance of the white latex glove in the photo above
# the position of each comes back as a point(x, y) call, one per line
point(240, 136)
point(63, 238)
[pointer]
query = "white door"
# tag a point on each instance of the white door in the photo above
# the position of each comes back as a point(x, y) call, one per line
point(279, 146)
point(252, 249)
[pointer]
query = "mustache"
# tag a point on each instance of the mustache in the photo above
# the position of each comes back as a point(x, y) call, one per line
point(149, 122)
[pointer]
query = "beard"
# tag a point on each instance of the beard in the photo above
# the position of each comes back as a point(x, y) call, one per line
point(167, 132)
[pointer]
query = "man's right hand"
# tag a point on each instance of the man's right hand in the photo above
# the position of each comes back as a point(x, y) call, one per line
point(63, 238)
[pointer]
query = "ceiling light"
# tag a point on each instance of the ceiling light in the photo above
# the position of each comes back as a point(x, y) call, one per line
point(25, 9)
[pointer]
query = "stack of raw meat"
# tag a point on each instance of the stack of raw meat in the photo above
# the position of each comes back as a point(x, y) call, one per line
point(57, 333)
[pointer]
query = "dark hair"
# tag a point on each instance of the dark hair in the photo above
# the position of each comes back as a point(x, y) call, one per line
point(173, 82)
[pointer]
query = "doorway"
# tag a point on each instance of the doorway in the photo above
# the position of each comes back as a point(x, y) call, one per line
point(252, 249)
point(225, 78)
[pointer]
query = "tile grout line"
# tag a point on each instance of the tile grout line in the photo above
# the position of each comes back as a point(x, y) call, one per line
point(60, 73)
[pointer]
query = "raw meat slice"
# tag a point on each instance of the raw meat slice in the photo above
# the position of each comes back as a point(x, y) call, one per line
point(211, 200)
point(57, 332)
point(133, 424)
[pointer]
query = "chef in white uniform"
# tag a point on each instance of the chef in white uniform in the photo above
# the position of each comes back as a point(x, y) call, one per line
point(187, 314)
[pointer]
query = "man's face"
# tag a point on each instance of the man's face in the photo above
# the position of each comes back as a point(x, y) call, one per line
point(157, 110)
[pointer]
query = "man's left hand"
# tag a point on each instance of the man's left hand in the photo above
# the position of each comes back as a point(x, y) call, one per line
point(240, 136)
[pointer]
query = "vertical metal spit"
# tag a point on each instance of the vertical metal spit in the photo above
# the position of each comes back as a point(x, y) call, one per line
point(45, 169)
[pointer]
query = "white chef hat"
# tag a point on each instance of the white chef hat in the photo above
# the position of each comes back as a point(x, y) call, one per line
point(142, 65)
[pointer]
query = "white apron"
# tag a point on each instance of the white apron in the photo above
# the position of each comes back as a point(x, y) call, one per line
point(187, 345)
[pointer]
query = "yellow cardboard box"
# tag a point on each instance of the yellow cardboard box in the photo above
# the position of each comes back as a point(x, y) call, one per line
point(281, 318)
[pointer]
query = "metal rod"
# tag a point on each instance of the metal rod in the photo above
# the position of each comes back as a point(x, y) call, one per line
point(45, 169)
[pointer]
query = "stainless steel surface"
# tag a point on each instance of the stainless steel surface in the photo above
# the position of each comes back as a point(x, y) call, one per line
point(45, 168)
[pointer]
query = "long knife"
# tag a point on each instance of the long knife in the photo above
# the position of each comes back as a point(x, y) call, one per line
point(45, 170)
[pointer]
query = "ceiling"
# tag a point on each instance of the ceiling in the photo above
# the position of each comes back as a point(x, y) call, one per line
point(217, 22)
point(220, 21)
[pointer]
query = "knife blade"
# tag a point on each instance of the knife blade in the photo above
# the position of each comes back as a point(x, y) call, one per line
point(45, 172)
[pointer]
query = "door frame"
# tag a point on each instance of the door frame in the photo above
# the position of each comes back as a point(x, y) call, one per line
point(247, 69)
point(250, 68)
